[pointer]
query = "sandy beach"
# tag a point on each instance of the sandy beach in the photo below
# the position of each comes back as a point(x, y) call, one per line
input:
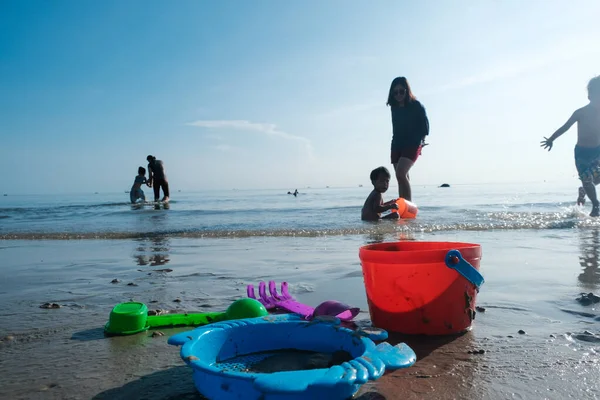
point(63, 354)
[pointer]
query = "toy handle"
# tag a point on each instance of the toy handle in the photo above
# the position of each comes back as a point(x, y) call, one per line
point(196, 319)
point(456, 261)
point(295, 307)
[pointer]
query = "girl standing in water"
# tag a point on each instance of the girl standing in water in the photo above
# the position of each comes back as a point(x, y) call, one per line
point(410, 126)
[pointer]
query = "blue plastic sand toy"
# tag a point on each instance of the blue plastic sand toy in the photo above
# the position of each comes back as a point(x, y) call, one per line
point(226, 357)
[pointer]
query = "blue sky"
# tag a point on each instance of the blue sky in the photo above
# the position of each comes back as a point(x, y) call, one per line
point(273, 94)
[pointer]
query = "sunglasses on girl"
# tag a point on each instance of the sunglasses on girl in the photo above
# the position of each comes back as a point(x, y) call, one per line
point(399, 91)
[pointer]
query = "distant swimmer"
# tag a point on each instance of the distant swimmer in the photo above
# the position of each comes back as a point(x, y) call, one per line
point(157, 178)
point(587, 149)
point(136, 190)
point(374, 205)
point(295, 193)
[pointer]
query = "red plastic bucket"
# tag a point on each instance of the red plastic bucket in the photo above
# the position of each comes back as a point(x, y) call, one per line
point(415, 288)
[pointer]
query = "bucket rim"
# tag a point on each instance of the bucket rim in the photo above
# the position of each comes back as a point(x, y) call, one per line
point(381, 253)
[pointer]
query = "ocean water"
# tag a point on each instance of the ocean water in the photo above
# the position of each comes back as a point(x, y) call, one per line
point(314, 212)
point(540, 252)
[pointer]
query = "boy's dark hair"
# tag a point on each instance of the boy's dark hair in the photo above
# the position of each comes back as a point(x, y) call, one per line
point(377, 172)
point(593, 88)
point(141, 171)
point(410, 97)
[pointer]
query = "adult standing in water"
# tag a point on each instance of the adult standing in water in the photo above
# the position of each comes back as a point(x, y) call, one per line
point(157, 178)
point(410, 126)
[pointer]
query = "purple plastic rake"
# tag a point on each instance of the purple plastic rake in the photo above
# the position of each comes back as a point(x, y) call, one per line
point(287, 302)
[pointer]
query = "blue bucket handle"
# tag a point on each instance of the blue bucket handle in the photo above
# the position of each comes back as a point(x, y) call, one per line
point(456, 261)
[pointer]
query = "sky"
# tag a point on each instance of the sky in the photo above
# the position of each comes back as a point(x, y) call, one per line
point(274, 94)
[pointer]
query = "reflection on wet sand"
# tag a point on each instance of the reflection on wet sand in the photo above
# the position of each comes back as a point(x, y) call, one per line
point(152, 251)
point(589, 246)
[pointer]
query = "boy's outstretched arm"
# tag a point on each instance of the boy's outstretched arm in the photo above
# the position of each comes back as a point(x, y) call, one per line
point(386, 206)
point(547, 142)
point(150, 177)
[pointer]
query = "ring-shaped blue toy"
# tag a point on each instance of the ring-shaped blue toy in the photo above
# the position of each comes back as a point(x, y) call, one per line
point(222, 354)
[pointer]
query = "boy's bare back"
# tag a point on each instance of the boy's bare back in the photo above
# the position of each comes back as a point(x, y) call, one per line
point(369, 210)
point(588, 126)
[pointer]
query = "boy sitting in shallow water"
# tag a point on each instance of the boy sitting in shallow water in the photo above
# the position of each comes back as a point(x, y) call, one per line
point(374, 205)
point(587, 150)
point(136, 190)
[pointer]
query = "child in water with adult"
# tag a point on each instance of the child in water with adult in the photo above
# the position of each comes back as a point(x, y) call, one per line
point(410, 126)
point(587, 149)
point(374, 205)
point(136, 190)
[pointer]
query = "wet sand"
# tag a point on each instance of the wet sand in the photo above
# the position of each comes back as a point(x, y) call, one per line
point(532, 281)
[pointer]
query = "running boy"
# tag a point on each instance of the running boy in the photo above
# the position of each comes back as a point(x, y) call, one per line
point(374, 205)
point(587, 150)
point(136, 190)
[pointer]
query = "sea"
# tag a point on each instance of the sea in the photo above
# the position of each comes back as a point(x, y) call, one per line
point(534, 336)
point(314, 212)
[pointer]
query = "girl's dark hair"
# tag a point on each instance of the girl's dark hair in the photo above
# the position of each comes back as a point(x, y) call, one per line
point(141, 171)
point(410, 97)
point(377, 172)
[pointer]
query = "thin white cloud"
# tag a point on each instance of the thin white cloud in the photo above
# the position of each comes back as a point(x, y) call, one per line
point(262, 128)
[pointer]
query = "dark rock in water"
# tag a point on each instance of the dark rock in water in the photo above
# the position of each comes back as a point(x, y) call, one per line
point(295, 360)
point(115, 281)
point(50, 305)
point(585, 299)
point(521, 332)
point(132, 284)
point(587, 337)
point(445, 185)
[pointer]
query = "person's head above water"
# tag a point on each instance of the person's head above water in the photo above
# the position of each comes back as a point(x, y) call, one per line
point(141, 171)
point(593, 88)
point(380, 178)
point(400, 92)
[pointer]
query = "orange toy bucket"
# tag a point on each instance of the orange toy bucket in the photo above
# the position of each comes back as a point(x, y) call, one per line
point(406, 209)
point(422, 287)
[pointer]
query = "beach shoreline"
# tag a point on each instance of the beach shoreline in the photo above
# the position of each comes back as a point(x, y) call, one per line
point(62, 353)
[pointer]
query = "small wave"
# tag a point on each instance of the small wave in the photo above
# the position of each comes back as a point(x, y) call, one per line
point(234, 234)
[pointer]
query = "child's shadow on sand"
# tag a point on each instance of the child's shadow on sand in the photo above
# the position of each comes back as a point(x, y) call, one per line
point(172, 384)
